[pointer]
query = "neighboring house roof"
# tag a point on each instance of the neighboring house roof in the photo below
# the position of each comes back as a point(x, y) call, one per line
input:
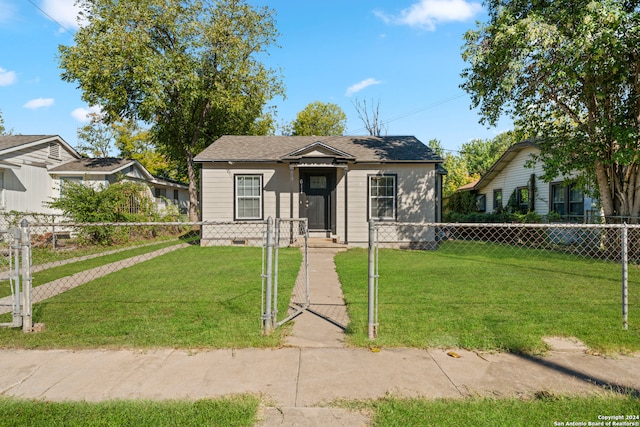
point(98, 166)
point(469, 186)
point(362, 149)
point(501, 163)
point(109, 166)
point(9, 143)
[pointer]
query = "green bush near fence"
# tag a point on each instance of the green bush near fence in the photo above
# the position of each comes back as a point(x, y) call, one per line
point(123, 201)
point(483, 296)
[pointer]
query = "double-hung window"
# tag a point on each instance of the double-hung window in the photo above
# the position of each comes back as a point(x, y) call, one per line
point(382, 197)
point(566, 199)
point(497, 199)
point(523, 199)
point(248, 195)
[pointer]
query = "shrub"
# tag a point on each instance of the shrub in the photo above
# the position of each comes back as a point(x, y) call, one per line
point(120, 202)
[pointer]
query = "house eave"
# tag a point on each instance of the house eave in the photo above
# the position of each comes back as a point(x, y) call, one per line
point(46, 139)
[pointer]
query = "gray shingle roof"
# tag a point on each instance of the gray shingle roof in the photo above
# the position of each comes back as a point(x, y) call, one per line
point(12, 141)
point(277, 148)
point(106, 165)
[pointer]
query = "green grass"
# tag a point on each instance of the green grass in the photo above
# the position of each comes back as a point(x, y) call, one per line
point(502, 412)
point(490, 299)
point(69, 267)
point(190, 298)
point(231, 411)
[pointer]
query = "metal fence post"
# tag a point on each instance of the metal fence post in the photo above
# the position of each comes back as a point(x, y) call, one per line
point(372, 324)
point(267, 319)
point(625, 276)
point(15, 278)
point(276, 244)
point(25, 243)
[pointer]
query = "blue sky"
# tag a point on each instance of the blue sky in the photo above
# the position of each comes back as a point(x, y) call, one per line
point(404, 54)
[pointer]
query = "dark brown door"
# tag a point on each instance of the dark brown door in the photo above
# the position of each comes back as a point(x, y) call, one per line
point(315, 203)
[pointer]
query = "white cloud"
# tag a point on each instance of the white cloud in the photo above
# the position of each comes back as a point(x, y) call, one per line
point(64, 12)
point(7, 77)
point(39, 103)
point(82, 114)
point(7, 11)
point(427, 13)
point(363, 84)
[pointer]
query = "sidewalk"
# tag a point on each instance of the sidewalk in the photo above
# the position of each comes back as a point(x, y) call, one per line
point(313, 370)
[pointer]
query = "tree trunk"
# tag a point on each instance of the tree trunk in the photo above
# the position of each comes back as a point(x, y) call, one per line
point(193, 187)
point(605, 191)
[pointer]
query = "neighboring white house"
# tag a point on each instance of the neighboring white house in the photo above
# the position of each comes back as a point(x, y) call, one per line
point(510, 178)
point(105, 171)
point(25, 160)
point(32, 168)
point(338, 183)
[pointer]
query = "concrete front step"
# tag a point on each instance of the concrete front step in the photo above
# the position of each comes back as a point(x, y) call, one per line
point(311, 417)
point(324, 242)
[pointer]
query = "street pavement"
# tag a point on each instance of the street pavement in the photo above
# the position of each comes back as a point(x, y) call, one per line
point(299, 381)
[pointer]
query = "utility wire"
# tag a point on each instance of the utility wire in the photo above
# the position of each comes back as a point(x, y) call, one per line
point(49, 16)
point(410, 113)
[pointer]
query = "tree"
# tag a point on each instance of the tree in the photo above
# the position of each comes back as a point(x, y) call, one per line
point(95, 138)
point(322, 119)
point(135, 143)
point(569, 75)
point(370, 116)
point(189, 68)
point(480, 154)
point(456, 166)
point(3, 130)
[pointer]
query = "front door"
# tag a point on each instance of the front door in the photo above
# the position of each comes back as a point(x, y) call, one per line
point(315, 200)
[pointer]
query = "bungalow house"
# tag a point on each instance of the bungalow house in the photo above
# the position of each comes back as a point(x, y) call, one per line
point(514, 182)
point(338, 183)
point(25, 160)
point(33, 168)
point(105, 171)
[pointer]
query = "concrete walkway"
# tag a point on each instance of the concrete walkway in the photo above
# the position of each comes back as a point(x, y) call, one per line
point(300, 381)
point(323, 324)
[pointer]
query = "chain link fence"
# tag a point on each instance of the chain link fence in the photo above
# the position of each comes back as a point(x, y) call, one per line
point(613, 243)
point(15, 277)
point(63, 256)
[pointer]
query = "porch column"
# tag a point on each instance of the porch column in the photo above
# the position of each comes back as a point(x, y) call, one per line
point(345, 170)
point(291, 175)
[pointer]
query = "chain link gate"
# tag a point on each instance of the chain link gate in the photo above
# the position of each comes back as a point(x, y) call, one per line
point(15, 271)
point(283, 233)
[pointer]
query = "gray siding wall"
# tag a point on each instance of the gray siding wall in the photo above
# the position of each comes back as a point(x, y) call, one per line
point(416, 197)
point(28, 187)
point(416, 194)
point(218, 190)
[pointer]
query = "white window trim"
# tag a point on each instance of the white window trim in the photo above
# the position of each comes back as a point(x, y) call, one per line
point(394, 197)
point(237, 198)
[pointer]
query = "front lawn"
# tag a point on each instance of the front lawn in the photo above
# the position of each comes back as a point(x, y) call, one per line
point(230, 411)
point(65, 265)
point(497, 299)
point(544, 411)
point(190, 298)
